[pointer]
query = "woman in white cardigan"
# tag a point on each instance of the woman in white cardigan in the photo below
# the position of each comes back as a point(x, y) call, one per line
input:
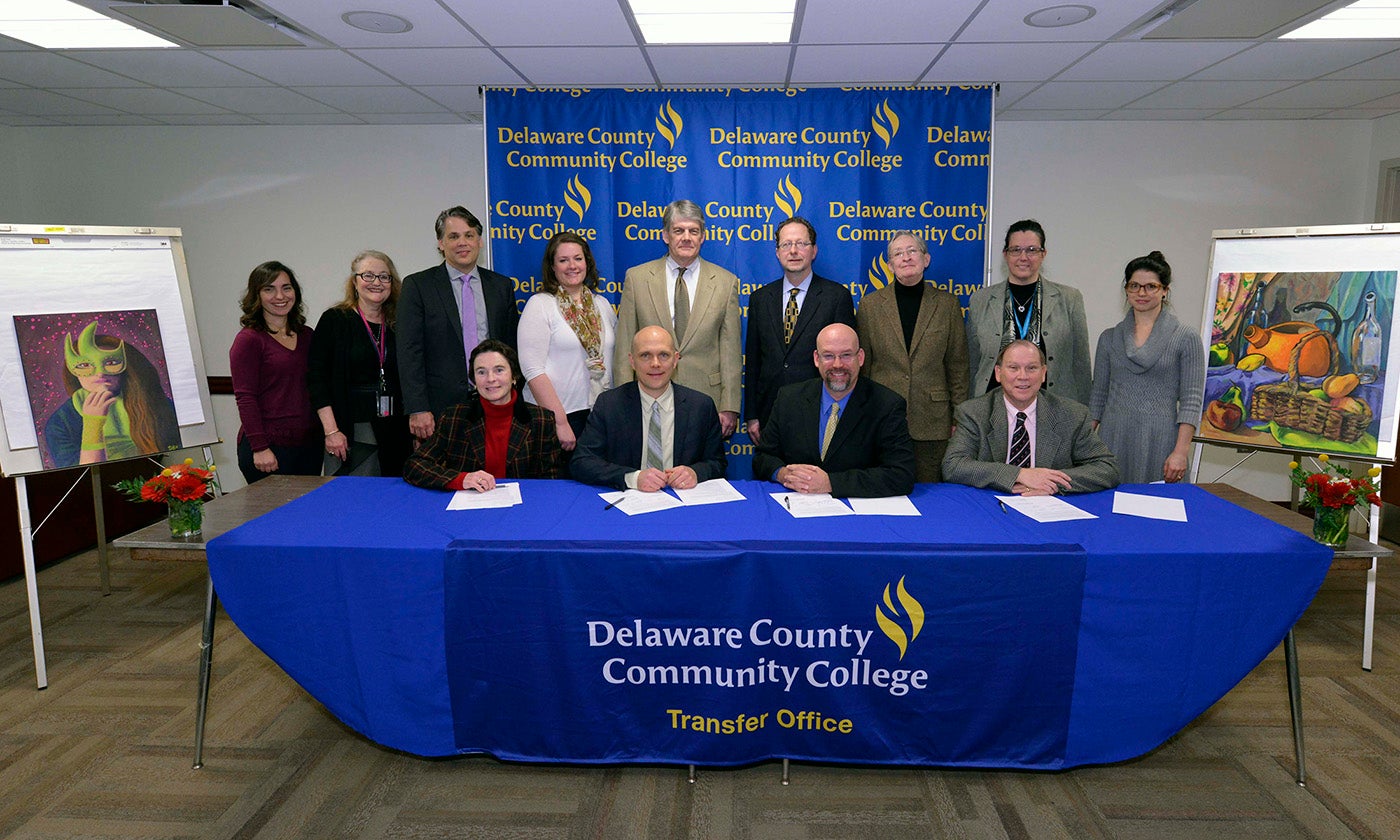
point(566, 337)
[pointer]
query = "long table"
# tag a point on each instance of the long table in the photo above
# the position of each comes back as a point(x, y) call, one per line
point(733, 633)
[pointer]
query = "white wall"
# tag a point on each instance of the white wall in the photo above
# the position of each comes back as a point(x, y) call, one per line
point(313, 196)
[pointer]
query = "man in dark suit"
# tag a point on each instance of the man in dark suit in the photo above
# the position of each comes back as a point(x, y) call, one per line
point(784, 319)
point(1018, 440)
point(432, 342)
point(842, 434)
point(650, 433)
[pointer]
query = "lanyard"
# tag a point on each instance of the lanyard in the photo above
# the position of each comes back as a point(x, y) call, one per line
point(381, 345)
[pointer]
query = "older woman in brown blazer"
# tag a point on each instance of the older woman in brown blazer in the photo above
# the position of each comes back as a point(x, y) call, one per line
point(915, 345)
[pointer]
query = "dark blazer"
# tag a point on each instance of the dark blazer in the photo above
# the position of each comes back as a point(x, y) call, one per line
point(931, 374)
point(1064, 440)
point(769, 364)
point(432, 361)
point(344, 374)
point(870, 455)
point(458, 445)
point(611, 445)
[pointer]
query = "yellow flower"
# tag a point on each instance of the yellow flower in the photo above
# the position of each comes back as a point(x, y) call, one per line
point(1373, 472)
point(1324, 458)
point(1293, 465)
point(189, 460)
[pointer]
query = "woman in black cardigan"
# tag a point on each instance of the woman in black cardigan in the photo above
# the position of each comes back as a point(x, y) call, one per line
point(354, 378)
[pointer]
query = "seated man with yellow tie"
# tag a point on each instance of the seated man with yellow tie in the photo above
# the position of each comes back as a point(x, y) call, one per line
point(839, 434)
point(1019, 440)
point(650, 433)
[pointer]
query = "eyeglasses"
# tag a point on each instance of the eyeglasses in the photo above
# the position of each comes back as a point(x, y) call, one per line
point(846, 358)
point(1019, 251)
point(905, 252)
point(1134, 288)
point(799, 244)
point(370, 277)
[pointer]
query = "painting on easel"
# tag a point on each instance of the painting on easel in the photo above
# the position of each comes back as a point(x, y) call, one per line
point(98, 384)
point(1297, 360)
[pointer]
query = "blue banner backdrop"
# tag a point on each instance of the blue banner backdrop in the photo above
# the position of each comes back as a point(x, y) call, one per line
point(859, 163)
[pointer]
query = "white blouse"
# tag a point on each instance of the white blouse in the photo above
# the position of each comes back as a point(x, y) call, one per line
point(549, 346)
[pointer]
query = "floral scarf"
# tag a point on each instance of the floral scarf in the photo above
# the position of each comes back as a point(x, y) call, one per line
point(582, 318)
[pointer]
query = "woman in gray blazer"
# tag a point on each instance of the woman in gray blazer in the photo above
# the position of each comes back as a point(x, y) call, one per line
point(1028, 306)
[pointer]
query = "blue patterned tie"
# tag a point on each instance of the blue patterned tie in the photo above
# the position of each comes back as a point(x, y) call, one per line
point(1020, 455)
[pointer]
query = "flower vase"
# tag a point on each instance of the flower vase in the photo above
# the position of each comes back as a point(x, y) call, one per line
point(1330, 525)
point(186, 518)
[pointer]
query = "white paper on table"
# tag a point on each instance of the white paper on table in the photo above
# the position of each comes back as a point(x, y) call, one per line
point(809, 505)
point(1045, 508)
point(884, 506)
point(1149, 507)
point(503, 496)
point(633, 502)
point(710, 492)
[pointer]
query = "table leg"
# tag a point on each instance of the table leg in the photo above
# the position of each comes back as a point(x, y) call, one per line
point(690, 773)
point(785, 778)
point(206, 655)
point(1295, 702)
point(1368, 631)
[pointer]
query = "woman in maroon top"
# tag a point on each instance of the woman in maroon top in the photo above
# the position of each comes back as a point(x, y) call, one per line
point(494, 434)
point(268, 360)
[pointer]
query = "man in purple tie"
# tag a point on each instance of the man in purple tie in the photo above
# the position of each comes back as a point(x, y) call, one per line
point(443, 313)
point(1018, 440)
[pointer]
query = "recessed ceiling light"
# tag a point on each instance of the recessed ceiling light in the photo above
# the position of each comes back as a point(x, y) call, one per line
point(719, 22)
point(61, 24)
point(379, 22)
point(1364, 19)
point(1054, 16)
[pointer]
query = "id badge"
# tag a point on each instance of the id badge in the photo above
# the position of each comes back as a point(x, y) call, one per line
point(386, 405)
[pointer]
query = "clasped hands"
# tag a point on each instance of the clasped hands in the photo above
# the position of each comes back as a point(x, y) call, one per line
point(651, 479)
point(804, 478)
point(1041, 481)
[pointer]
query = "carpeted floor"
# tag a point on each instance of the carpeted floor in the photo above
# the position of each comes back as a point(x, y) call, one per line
point(105, 751)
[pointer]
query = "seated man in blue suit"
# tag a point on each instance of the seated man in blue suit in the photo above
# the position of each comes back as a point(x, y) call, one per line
point(1019, 439)
point(841, 434)
point(650, 433)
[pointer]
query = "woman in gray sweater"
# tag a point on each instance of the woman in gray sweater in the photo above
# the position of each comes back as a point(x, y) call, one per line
point(1149, 373)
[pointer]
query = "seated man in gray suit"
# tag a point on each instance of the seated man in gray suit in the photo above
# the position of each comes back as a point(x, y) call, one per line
point(1018, 440)
point(650, 433)
point(841, 434)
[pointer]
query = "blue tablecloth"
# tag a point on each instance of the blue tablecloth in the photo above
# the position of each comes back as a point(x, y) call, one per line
point(732, 633)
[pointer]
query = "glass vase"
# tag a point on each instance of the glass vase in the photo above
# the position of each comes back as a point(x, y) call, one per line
point(1330, 525)
point(186, 518)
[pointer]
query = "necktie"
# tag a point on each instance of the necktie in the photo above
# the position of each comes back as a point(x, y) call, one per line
point(790, 316)
point(682, 305)
point(469, 333)
point(830, 430)
point(1020, 455)
point(654, 438)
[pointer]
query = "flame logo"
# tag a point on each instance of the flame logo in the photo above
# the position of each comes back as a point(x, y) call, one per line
point(885, 122)
point(669, 123)
point(880, 274)
point(577, 196)
point(788, 197)
point(889, 624)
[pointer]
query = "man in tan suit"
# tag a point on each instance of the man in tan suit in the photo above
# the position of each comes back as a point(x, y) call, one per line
point(698, 302)
point(914, 344)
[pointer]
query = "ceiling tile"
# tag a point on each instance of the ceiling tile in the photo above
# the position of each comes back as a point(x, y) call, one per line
point(294, 67)
point(18, 120)
point(144, 100)
point(893, 64)
point(1086, 94)
point(433, 25)
point(263, 100)
point(1161, 114)
point(1295, 60)
point(1366, 114)
point(442, 66)
point(1326, 94)
point(1008, 93)
point(458, 98)
point(581, 65)
point(309, 119)
point(1269, 114)
point(883, 21)
point(390, 100)
point(50, 70)
point(207, 119)
point(164, 67)
point(1004, 20)
point(1005, 62)
point(438, 118)
point(760, 65)
point(1382, 67)
point(1050, 114)
point(1139, 60)
point(45, 104)
point(1193, 94)
point(547, 22)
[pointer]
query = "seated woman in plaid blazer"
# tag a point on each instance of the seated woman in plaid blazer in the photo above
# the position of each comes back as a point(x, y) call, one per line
point(494, 434)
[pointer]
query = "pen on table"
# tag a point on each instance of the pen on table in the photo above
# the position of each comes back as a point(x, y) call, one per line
point(1003, 505)
point(613, 503)
point(786, 503)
